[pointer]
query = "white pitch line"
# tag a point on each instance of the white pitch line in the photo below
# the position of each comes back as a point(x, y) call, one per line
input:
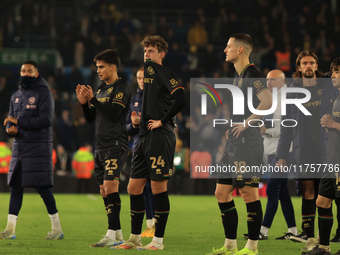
point(92, 197)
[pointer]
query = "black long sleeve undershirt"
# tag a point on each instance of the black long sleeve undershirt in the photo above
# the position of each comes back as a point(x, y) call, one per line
point(90, 114)
point(177, 105)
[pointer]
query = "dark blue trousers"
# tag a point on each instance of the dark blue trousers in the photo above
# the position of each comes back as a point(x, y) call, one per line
point(17, 193)
point(149, 201)
point(277, 189)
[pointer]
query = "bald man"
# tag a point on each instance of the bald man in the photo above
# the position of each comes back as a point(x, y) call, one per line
point(277, 188)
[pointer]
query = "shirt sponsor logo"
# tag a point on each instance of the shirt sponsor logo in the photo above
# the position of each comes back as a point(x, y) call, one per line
point(31, 106)
point(239, 83)
point(336, 114)
point(136, 104)
point(103, 99)
point(148, 80)
point(109, 90)
point(16, 100)
point(311, 104)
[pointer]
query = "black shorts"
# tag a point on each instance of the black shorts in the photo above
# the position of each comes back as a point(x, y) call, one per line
point(327, 188)
point(154, 155)
point(246, 162)
point(329, 185)
point(244, 156)
point(109, 164)
point(245, 182)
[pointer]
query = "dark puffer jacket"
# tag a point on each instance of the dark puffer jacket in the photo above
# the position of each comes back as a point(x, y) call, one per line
point(136, 105)
point(33, 106)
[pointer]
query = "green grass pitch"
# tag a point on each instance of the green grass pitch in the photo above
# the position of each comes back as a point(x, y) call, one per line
point(194, 226)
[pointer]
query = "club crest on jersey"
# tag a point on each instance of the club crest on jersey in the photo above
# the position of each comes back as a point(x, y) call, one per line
point(319, 92)
point(257, 84)
point(119, 95)
point(174, 82)
point(136, 104)
point(255, 179)
point(109, 90)
point(16, 100)
point(150, 70)
point(31, 100)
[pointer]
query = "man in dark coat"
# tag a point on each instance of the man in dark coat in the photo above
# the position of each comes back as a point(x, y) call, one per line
point(30, 122)
point(133, 117)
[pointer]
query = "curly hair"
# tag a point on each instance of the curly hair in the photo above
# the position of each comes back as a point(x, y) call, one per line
point(155, 41)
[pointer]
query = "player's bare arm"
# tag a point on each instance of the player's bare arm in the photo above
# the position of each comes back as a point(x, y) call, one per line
point(265, 98)
point(328, 122)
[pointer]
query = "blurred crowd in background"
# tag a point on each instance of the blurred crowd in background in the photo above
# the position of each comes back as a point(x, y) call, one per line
point(196, 31)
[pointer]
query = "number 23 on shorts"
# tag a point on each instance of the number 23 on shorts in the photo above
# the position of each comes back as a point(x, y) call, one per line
point(111, 164)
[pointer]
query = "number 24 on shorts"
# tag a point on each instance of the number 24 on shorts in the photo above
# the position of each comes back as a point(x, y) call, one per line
point(160, 162)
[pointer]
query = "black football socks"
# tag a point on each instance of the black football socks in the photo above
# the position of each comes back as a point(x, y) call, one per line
point(229, 219)
point(162, 209)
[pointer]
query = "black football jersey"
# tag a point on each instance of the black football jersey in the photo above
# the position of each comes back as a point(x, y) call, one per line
point(312, 130)
point(249, 77)
point(107, 131)
point(333, 146)
point(159, 84)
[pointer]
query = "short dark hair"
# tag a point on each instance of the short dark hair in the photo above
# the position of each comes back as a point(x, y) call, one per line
point(155, 41)
point(31, 62)
point(244, 38)
point(335, 64)
point(108, 56)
